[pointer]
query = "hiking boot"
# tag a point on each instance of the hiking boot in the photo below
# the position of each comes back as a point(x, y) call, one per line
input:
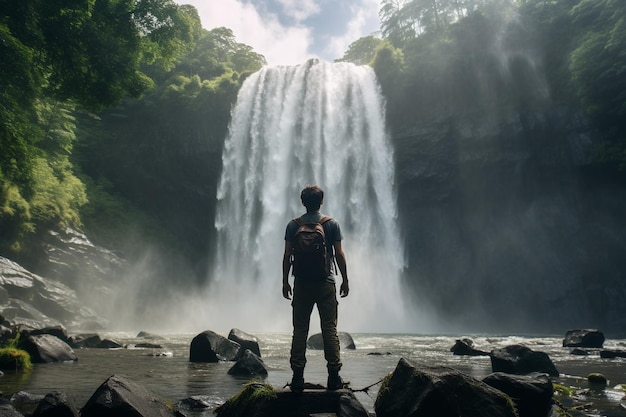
point(297, 381)
point(334, 381)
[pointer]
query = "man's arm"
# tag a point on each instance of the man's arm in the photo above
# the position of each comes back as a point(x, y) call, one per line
point(286, 267)
point(340, 257)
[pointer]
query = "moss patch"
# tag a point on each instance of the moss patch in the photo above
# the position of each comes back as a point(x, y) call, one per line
point(245, 401)
point(14, 359)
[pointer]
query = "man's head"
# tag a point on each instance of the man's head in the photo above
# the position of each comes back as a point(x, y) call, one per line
point(312, 197)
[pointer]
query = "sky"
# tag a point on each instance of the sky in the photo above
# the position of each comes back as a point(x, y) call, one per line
point(288, 32)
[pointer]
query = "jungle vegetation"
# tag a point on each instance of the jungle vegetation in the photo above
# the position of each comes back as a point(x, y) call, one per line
point(113, 112)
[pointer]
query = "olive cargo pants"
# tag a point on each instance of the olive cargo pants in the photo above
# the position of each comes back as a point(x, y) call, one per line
point(305, 295)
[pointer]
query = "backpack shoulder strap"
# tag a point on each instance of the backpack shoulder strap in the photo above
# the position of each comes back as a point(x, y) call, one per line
point(324, 219)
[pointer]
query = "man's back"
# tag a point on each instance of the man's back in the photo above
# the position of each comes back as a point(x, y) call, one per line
point(332, 234)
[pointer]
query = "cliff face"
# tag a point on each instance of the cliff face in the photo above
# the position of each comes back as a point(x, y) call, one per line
point(73, 284)
point(507, 227)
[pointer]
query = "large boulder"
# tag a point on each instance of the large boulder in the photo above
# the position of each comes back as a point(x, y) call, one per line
point(109, 344)
point(121, 397)
point(612, 354)
point(45, 348)
point(531, 393)
point(24, 402)
point(521, 360)
point(438, 391)
point(245, 340)
point(147, 335)
point(209, 346)
point(90, 340)
point(58, 331)
point(316, 341)
point(465, 347)
point(587, 338)
point(56, 404)
point(262, 400)
point(249, 364)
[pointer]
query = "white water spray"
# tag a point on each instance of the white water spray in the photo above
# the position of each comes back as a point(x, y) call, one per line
point(317, 123)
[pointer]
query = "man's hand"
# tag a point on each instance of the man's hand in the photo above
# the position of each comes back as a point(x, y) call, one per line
point(287, 293)
point(344, 289)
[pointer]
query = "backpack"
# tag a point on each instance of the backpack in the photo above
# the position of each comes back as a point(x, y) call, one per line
point(309, 256)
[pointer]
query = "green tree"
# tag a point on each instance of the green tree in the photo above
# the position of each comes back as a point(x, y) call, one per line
point(162, 153)
point(396, 24)
point(403, 20)
point(62, 55)
point(598, 66)
point(361, 51)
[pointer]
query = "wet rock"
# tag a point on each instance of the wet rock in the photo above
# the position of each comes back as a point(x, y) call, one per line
point(121, 397)
point(148, 346)
point(146, 335)
point(531, 393)
point(25, 402)
point(109, 344)
point(597, 381)
point(261, 400)
point(196, 403)
point(587, 338)
point(58, 331)
point(249, 364)
point(6, 334)
point(45, 348)
point(579, 352)
point(465, 347)
point(209, 346)
point(612, 354)
point(438, 391)
point(245, 340)
point(56, 404)
point(91, 340)
point(316, 341)
point(7, 410)
point(520, 360)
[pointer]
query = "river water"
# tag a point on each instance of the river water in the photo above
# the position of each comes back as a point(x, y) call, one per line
point(168, 372)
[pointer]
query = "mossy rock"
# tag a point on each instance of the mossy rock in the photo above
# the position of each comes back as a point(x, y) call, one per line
point(14, 359)
point(597, 381)
point(262, 400)
point(247, 400)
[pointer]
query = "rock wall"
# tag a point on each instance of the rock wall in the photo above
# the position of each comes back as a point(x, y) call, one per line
point(507, 227)
point(71, 283)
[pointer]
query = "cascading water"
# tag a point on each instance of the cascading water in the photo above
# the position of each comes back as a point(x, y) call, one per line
point(317, 123)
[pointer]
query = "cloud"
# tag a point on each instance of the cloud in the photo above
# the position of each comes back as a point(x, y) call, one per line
point(281, 45)
point(288, 32)
point(363, 23)
point(300, 10)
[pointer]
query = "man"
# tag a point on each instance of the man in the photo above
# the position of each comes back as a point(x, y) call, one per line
point(320, 290)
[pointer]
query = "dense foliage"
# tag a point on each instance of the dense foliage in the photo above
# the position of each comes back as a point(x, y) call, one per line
point(162, 153)
point(444, 57)
point(57, 57)
point(69, 150)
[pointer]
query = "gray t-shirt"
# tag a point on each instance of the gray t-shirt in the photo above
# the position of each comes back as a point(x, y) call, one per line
point(332, 232)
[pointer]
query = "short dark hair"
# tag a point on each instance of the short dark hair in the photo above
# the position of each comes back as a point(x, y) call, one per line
point(312, 197)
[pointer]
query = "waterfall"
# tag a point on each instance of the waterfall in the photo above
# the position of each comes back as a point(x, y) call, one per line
point(317, 123)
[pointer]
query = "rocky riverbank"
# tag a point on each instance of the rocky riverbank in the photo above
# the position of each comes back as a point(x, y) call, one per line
point(529, 376)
